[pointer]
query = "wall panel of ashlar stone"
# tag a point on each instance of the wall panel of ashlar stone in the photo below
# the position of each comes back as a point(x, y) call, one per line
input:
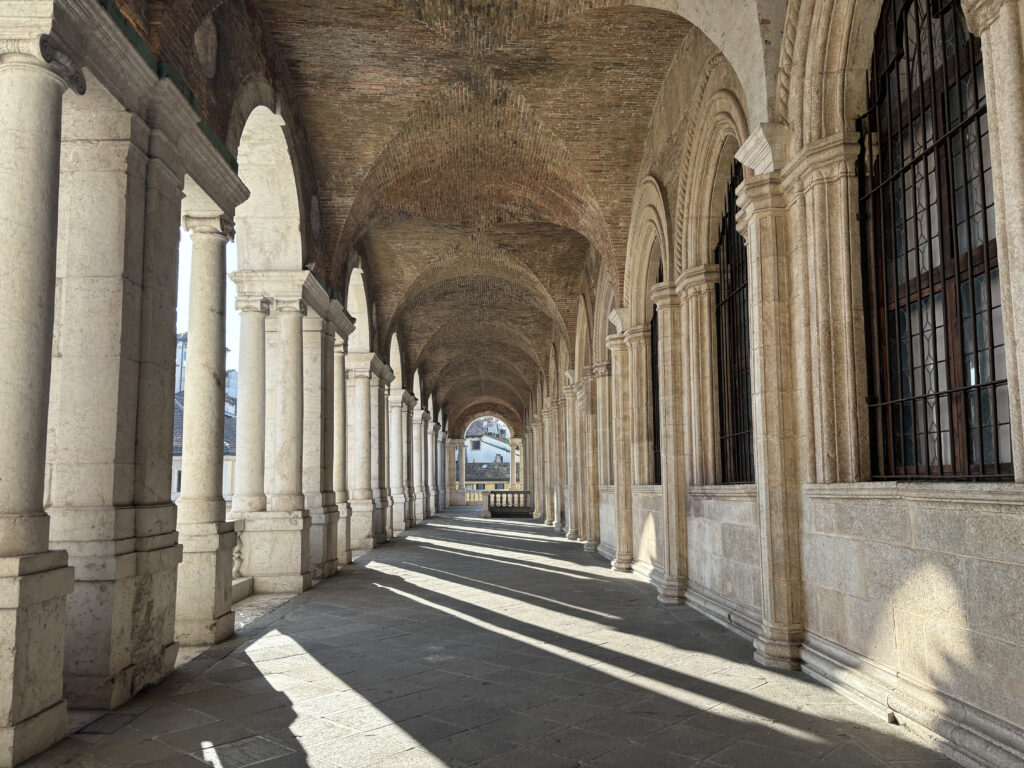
point(723, 541)
point(609, 531)
point(648, 531)
point(920, 589)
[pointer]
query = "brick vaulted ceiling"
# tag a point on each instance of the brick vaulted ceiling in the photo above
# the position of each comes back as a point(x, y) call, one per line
point(480, 157)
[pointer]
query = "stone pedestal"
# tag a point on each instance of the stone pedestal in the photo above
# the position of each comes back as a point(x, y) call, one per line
point(203, 608)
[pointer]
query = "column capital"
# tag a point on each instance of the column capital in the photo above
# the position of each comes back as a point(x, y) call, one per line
point(823, 160)
point(699, 279)
point(246, 303)
point(601, 370)
point(638, 335)
point(616, 342)
point(981, 14)
point(290, 305)
point(26, 40)
point(664, 295)
point(212, 226)
point(764, 151)
point(757, 196)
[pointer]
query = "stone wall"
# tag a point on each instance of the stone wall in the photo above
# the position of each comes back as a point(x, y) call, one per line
point(648, 531)
point(918, 589)
point(724, 556)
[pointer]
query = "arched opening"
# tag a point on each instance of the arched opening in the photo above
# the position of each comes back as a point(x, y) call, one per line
point(488, 450)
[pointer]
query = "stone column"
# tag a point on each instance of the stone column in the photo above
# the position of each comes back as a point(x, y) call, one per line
point(540, 470)
point(35, 581)
point(408, 414)
point(318, 442)
point(823, 185)
point(590, 497)
point(673, 583)
point(442, 470)
point(602, 377)
point(621, 406)
point(203, 610)
point(451, 468)
point(399, 459)
point(548, 485)
point(340, 473)
point(419, 494)
point(359, 456)
point(431, 466)
point(1000, 25)
point(381, 378)
point(568, 434)
point(638, 342)
point(250, 487)
point(277, 542)
point(462, 471)
point(699, 360)
point(762, 221)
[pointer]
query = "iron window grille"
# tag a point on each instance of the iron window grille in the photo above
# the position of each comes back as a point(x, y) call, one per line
point(732, 317)
point(656, 393)
point(938, 397)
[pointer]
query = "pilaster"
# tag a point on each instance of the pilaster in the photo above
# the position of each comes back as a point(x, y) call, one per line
point(763, 222)
point(638, 369)
point(431, 469)
point(672, 585)
point(570, 490)
point(621, 405)
point(399, 459)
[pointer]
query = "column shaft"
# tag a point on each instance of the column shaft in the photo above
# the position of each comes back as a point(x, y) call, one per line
point(33, 713)
point(340, 456)
point(250, 489)
point(203, 612)
point(396, 414)
point(621, 426)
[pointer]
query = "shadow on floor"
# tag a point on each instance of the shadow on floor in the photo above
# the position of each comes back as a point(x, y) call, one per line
point(486, 642)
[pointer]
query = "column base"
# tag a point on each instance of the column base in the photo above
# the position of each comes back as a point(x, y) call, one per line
point(157, 556)
point(778, 647)
point(361, 526)
point(323, 537)
point(344, 534)
point(203, 614)
point(399, 519)
point(623, 563)
point(672, 591)
point(572, 535)
point(33, 596)
point(276, 552)
point(590, 545)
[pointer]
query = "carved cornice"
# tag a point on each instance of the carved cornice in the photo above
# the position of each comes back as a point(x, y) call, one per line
point(764, 151)
point(601, 370)
point(821, 161)
point(616, 342)
point(699, 279)
point(664, 295)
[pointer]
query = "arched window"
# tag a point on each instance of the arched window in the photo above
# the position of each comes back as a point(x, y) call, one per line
point(656, 393)
point(939, 404)
point(733, 324)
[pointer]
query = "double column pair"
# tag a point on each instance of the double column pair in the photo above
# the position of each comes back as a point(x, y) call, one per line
point(294, 523)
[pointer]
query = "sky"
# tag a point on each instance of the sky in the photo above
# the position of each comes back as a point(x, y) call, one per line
point(232, 319)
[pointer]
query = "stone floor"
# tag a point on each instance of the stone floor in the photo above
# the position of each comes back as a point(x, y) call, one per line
point(485, 642)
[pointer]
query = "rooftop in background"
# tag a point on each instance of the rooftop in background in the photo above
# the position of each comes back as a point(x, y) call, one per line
point(482, 473)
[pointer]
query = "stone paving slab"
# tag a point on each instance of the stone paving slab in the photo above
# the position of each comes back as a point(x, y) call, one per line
point(471, 642)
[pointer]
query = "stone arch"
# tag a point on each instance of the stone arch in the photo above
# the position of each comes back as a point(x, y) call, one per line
point(720, 128)
point(356, 305)
point(269, 222)
point(417, 386)
point(823, 73)
point(648, 247)
point(583, 339)
point(604, 303)
point(460, 422)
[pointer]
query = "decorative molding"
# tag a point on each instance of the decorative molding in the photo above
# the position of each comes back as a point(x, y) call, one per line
point(252, 303)
point(764, 151)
